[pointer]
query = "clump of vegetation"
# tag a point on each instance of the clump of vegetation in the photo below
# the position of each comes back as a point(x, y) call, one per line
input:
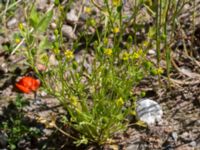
point(100, 95)
point(16, 128)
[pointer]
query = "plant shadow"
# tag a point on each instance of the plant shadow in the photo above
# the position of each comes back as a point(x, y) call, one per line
point(19, 131)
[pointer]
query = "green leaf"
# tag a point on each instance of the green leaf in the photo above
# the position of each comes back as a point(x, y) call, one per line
point(56, 2)
point(44, 21)
point(44, 44)
point(34, 18)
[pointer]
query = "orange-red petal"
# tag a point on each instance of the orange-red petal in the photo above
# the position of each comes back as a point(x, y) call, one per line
point(35, 85)
point(22, 88)
point(28, 84)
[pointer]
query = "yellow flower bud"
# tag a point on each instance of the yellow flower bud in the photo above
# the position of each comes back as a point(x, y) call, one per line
point(56, 51)
point(116, 2)
point(21, 26)
point(120, 102)
point(125, 56)
point(135, 55)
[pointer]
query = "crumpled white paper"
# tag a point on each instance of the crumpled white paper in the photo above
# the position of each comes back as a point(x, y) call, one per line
point(148, 111)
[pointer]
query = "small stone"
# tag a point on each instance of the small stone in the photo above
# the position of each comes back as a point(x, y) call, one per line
point(193, 144)
point(48, 132)
point(68, 32)
point(183, 147)
point(43, 93)
point(133, 146)
point(71, 16)
point(4, 66)
point(88, 67)
point(12, 22)
point(185, 134)
point(151, 52)
point(198, 122)
point(42, 4)
point(148, 111)
point(174, 136)
point(52, 38)
point(186, 137)
point(3, 140)
point(53, 25)
point(37, 101)
point(52, 60)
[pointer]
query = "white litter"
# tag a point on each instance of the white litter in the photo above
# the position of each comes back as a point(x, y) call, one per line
point(149, 111)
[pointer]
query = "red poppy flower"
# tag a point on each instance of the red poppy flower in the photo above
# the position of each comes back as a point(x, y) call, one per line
point(28, 84)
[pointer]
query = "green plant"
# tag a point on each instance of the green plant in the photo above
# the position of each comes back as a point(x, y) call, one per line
point(98, 99)
point(99, 95)
point(166, 19)
point(15, 127)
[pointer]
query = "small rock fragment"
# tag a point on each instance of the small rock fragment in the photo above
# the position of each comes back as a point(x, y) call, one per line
point(174, 136)
point(71, 16)
point(53, 25)
point(193, 144)
point(68, 32)
point(3, 140)
point(12, 22)
point(152, 52)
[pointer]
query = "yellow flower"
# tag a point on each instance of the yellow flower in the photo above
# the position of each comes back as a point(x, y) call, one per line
point(108, 51)
point(145, 43)
point(74, 101)
point(69, 54)
point(56, 51)
point(140, 52)
point(21, 26)
point(135, 55)
point(116, 30)
point(105, 41)
point(120, 102)
point(87, 10)
point(91, 22)
point(160, 71)
point(61, 8)
point(125, 56)
point(17, 40)
point(116, 2)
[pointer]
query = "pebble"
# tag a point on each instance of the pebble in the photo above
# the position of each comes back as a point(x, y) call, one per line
point(52, 60)
point(174, 136)
point(12, 22)
point(71, 16)
point(88, 67)
point(152, 52)
point(4, 66)
point(47, 132)
point(53, 25)
point(68, 32)
point(42, 4)
point(43, 93)
point(133, 146)
point(198, 122)
point(3, 140)
point(193, 144)
point(186, 137)
point(149, 111)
